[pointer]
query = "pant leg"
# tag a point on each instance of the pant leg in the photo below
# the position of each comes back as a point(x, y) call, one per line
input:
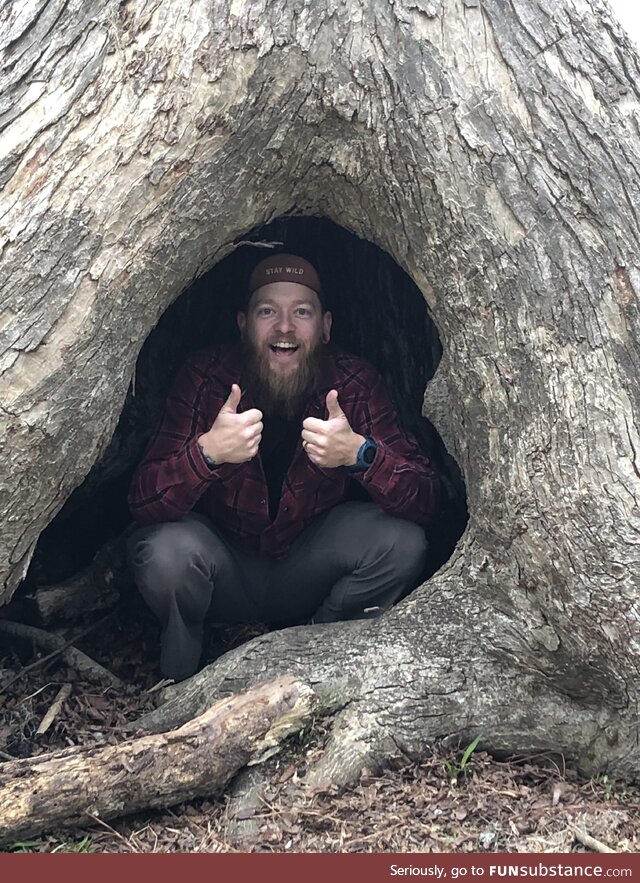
point(178, 567)
point(355, 561)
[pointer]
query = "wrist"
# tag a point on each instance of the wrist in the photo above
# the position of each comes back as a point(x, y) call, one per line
point(365, 456)
point(208, 453)
point(358, 441)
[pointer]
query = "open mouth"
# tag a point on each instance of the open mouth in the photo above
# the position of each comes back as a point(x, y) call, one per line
point(284, 349)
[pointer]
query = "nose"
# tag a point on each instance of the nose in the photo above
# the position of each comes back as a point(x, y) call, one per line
point(284, 323)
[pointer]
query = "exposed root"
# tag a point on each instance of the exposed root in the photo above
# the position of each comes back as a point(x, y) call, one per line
point(87, 667)
point(300, 651)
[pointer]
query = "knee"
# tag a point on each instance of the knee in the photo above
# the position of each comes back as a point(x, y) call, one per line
point(406, 547)
point(164, 553)
point(411, 544)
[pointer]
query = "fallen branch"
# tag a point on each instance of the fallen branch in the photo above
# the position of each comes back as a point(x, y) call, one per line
point(589, 841)
point(87, 667)
point(94, 588)
point(196, 760)
point(56, 707)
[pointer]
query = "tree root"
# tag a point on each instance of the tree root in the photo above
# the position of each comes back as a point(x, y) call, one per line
point(56, 645)
point(246, 801)
point(393, 698)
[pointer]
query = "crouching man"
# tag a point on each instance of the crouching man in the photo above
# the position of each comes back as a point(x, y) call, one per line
point(241, 496)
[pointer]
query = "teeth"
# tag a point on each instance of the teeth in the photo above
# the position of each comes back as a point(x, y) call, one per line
point(286, 346)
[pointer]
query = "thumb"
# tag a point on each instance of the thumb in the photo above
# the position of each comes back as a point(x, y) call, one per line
point(333, 407)
point(231, 405)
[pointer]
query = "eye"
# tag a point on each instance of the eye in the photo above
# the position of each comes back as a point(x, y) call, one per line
point(264, 311)
point(303, 311)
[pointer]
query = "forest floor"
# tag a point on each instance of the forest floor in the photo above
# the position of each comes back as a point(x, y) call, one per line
point(441, 804)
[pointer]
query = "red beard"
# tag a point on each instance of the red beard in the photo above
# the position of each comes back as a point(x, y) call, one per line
point(283, 393)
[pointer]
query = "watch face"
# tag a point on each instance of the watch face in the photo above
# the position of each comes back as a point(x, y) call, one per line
point(369, 455)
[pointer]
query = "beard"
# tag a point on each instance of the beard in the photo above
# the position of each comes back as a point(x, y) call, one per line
point(284, 394)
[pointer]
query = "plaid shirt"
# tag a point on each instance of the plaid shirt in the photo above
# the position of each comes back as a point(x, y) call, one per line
point(174, 479)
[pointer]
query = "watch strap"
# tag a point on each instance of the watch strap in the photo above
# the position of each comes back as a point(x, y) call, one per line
point(208, 460)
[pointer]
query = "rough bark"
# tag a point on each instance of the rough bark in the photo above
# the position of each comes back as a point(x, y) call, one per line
point(196, 760)
point(93, 589)
point(492, 149)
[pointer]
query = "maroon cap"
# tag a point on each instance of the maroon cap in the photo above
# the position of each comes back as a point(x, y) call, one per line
point(284, 268)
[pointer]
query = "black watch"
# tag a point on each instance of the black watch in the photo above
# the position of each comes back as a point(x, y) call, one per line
point(210, 463)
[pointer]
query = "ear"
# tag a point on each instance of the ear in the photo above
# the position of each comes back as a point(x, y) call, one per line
point(241, 319)
point(327, 319)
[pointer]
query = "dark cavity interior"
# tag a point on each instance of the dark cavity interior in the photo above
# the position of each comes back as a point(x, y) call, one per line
point(378, 313)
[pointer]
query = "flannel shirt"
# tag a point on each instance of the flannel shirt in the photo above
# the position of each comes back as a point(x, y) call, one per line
point(174, 479)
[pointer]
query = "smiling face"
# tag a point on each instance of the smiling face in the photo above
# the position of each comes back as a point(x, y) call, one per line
point(282, 330)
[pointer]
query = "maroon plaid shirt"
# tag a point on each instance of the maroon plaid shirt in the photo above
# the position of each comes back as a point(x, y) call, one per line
point(174, 479)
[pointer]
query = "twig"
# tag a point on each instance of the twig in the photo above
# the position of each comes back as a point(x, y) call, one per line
point(165, 682)
point(92, 670)
point(589, 841)
point(56, 707)
point(39, 690)
point(95, 818)
point(355, 840)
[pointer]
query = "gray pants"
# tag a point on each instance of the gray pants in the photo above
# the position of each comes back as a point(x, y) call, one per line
point(351, 562)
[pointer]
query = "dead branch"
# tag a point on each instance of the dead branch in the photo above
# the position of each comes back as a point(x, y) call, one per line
point(198, 759)
point(86, 666)
point(54, 710)
point(95, 588)
point(589, 841)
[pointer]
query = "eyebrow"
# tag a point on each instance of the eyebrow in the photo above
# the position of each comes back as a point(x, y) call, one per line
point(296, 303)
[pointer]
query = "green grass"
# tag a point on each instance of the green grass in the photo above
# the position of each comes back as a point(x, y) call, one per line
point(457, 768)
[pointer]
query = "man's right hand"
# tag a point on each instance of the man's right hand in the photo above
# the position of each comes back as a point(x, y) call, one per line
point(233, 438)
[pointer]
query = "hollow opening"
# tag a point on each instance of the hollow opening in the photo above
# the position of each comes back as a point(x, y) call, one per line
point(378, 313)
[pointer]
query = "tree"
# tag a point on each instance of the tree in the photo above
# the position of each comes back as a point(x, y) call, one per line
point(491, 148)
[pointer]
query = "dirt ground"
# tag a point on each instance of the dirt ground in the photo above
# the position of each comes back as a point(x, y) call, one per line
point(442, 804)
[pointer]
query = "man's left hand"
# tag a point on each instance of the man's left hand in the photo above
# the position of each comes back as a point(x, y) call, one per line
point(331, 443)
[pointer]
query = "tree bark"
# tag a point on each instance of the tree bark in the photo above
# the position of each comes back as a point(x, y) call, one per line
point(492, 149)
point(197, 760)
point(93, 589)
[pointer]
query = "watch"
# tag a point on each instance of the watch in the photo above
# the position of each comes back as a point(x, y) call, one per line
point(208, 460)
point(366, 456)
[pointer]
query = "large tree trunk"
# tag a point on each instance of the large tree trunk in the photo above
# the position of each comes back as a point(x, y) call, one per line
point(492, 148)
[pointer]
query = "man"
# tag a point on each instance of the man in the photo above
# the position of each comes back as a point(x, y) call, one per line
point(241, 494)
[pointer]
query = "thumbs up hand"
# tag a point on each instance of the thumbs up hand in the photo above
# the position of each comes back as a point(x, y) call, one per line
point(331, 443)
point(233, 438)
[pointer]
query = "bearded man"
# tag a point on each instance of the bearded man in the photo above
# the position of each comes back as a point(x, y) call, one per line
point(242, 496)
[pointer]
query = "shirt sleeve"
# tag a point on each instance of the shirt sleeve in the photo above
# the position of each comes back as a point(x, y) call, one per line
point(401, 478)
point(173, 474)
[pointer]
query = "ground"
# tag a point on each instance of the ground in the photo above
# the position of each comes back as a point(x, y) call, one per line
point(446, 803)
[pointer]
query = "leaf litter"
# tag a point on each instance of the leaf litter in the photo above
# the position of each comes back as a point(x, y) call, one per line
point(526, 804)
